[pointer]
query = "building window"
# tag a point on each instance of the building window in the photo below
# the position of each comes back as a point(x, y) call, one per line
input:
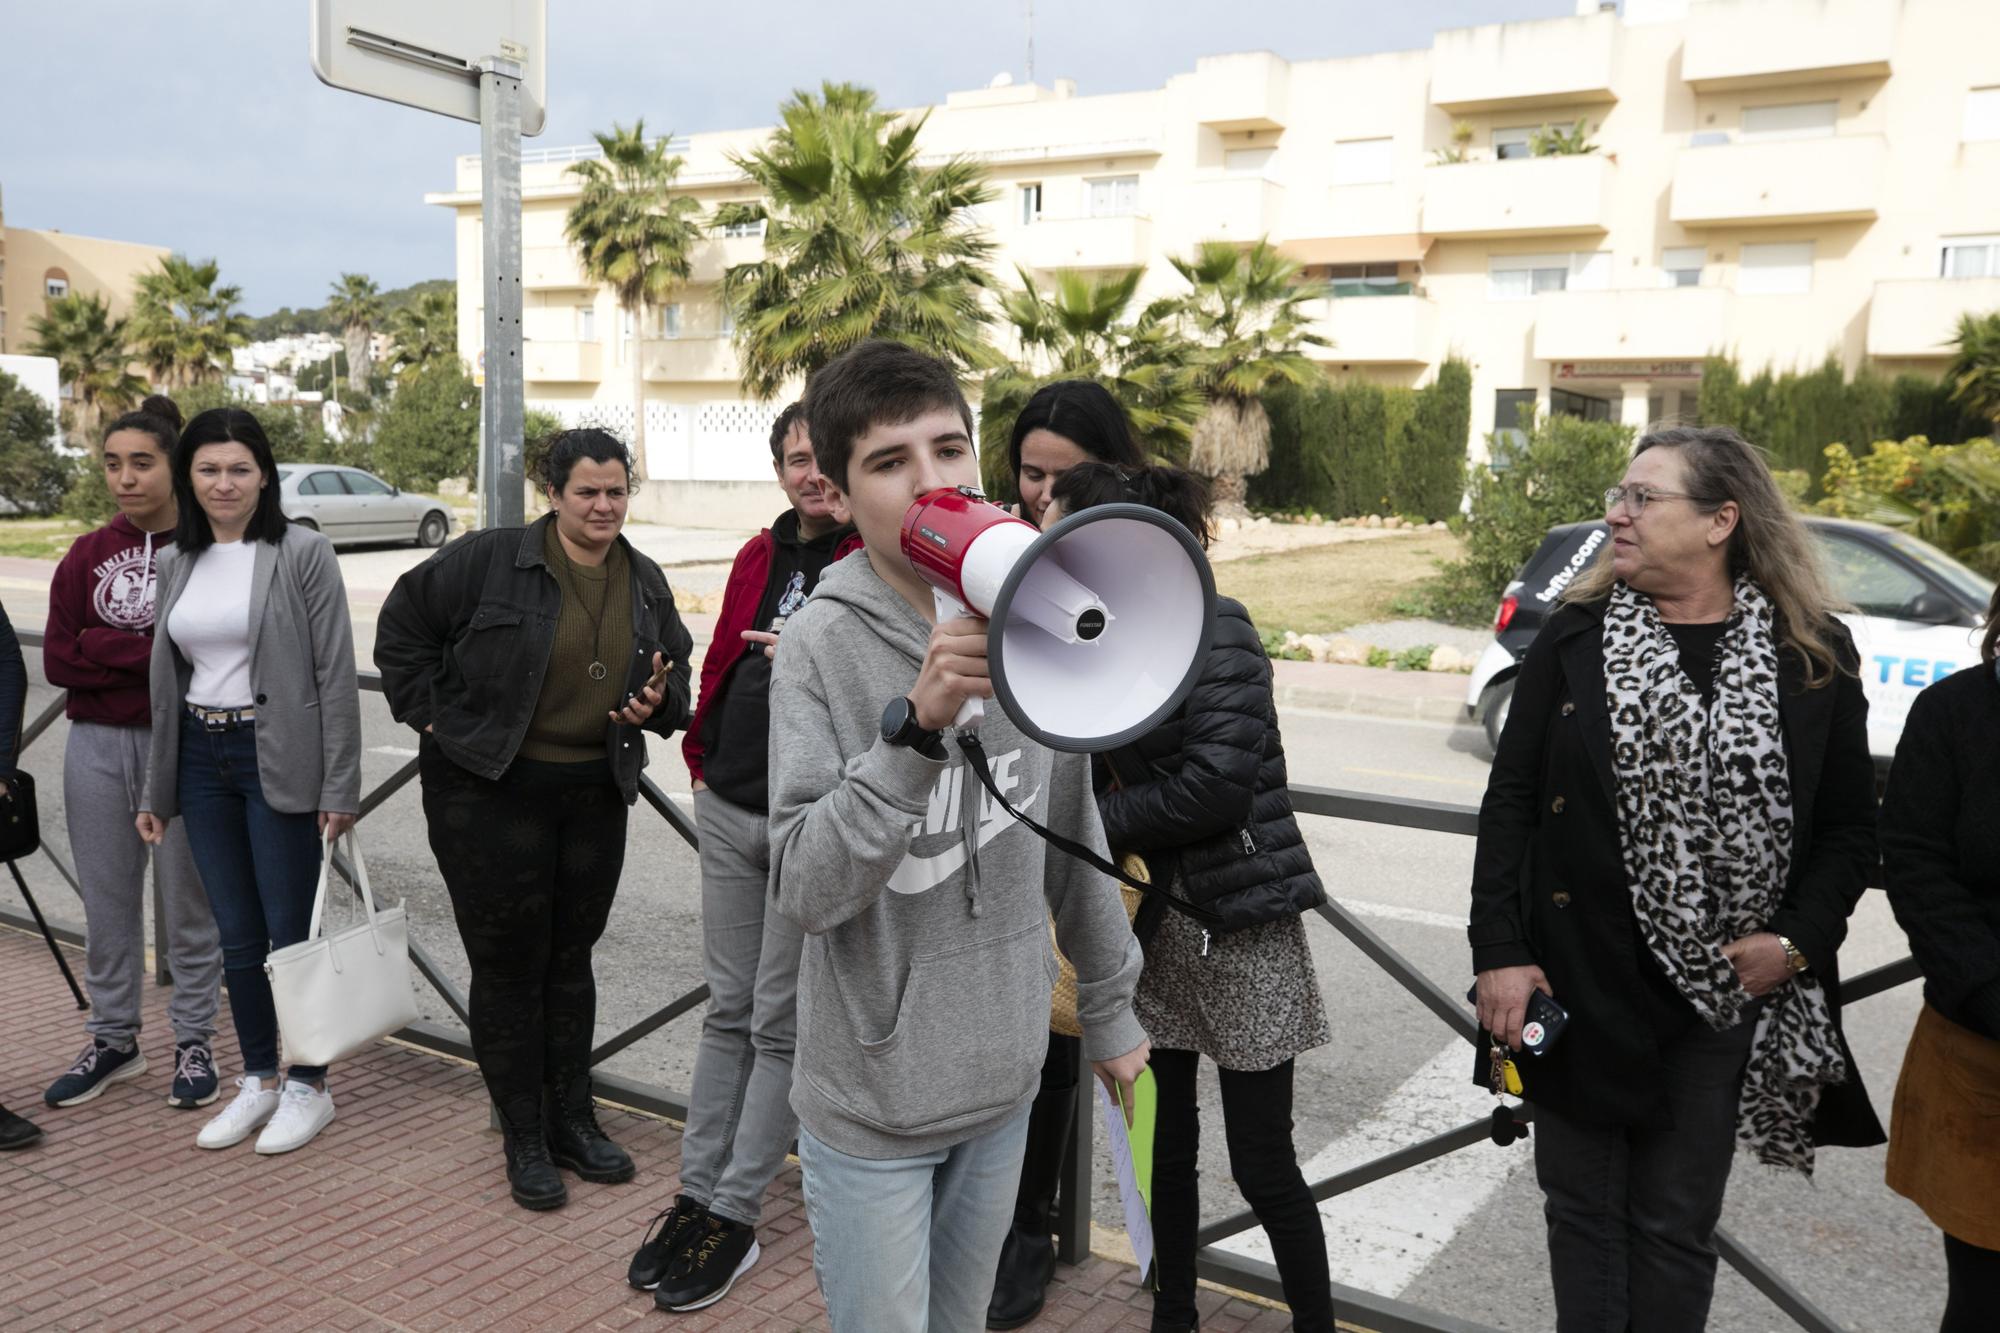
point(1681, 264)
point(1780, 269)
point(1563, 403)
point(1790, 120)
point(1365, 280)
point(1364, 161)
point(1513, 417)
point(728, 322)
point(1112, 196)
point(586, 324)
point(738, 231)
point(1971, 257)
point(1982, 114)
point(670, 320)
point(55, 287)
point(1509, 144)
point(1518, 277)
point(1030, 196)
point(1247, 161)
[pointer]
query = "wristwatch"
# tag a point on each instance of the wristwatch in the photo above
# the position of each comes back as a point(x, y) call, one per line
point(1795, 961)
point(901, 728)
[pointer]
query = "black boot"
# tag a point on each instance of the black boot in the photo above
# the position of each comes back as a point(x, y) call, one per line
point(535, 1182)
point(1028, 1255)
point(575, 1138)
point(17, 1131)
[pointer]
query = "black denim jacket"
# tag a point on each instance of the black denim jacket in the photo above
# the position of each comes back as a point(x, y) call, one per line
point(463, 646)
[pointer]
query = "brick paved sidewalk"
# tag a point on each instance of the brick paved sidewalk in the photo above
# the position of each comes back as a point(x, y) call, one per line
point(396, 1217)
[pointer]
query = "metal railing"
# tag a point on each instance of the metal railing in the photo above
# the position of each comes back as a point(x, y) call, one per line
point(1384, 1314)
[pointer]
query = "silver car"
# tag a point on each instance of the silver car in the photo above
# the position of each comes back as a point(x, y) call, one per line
point(350, 505)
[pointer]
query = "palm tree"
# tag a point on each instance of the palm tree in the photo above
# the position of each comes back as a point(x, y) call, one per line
point(1076, 331)
point(425, 331)
point(1245, 311)
point(91, 357)
point(633, 234)
point(356, 305)
point(1974, 375)
point(860, 242)
point(183, 324)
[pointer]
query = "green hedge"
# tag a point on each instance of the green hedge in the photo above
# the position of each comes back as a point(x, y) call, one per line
point(1348, 449)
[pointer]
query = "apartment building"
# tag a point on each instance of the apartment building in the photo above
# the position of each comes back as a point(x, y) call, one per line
point(38, 266)
point(1778, 179)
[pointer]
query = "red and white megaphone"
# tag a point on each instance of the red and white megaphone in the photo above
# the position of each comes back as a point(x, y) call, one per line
point(1097, 627)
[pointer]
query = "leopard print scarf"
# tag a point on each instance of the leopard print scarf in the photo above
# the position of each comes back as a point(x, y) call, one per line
point(1705, 823)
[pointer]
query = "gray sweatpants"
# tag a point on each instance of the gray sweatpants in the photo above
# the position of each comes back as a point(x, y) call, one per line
point(104, 770)
point(740, 1121)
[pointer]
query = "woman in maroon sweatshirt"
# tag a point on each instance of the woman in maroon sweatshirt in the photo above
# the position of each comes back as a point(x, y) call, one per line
point(99, 646)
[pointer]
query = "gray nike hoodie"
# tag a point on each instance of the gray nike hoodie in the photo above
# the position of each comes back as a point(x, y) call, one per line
point(923, 1007)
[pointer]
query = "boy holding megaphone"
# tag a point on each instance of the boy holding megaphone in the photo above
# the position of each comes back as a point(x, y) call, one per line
point(924, 983)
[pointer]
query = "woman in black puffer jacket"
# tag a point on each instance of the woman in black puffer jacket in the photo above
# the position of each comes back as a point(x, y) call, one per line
point(1203, 799)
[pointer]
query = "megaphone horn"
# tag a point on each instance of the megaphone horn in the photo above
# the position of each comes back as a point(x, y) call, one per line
point(1097, 628)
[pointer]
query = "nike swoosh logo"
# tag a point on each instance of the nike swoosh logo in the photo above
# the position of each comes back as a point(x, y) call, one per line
point(920, 874)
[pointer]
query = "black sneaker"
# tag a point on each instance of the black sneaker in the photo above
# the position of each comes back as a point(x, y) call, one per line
point(195, 1083)
point(17, 1131)
point(95, 1070)
point(676, 1225)
point(709, 1267)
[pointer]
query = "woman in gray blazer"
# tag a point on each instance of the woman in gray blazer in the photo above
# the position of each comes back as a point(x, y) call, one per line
point(256, 739)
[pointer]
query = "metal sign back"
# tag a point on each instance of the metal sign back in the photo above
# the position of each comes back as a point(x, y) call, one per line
point(427, 54)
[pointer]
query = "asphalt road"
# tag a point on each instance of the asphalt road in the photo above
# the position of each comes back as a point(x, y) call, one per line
point(1462, 1236)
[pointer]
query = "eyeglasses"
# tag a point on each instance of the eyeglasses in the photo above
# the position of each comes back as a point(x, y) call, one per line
point(1636, 498)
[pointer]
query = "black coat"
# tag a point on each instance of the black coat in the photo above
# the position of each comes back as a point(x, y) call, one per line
point(1941, 845)
point(464, 639)
point(1549, 885)
point(1204, 793)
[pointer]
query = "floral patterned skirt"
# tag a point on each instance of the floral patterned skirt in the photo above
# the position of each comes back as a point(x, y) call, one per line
point(1251, 1003)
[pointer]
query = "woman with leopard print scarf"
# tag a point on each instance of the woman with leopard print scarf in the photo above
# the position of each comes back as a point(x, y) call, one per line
point(1680, 820)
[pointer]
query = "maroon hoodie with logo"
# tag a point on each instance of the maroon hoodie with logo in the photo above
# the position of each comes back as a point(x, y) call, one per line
point(100, 639)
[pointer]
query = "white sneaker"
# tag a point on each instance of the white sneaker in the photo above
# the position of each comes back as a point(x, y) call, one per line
point(252, 1106)
point(303, 1111)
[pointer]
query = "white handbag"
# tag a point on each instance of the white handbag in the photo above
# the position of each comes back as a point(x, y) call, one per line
point(338, 992)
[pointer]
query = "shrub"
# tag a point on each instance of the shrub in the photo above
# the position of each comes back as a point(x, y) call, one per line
point(1558, 476)
point(1947, 494)
point(1380, 657)
point(33, 472)
point(294, 432)
point(1427, 455)
point(88, 499)
point(1417, 658)
point(430, 429)
point(1794, 416)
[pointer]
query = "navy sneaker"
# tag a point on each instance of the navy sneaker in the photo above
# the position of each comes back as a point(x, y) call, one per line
point(195, 1083)
point(705, 1271)
point(95, 1070)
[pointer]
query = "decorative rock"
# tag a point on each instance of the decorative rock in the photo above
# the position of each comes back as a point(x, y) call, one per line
point(1440, 526)
point(1372, 521)
point(1447, 658)
point(1346, 651)
point(1229, 525)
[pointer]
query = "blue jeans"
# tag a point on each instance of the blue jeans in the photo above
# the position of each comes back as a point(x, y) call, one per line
point(261, 869)
point(909, 1245)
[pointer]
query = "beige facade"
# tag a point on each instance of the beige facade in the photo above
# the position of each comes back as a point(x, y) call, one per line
point(1778, 179)
point(37, 266)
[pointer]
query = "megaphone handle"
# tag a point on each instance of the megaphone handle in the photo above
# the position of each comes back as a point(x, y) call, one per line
point(972, 711)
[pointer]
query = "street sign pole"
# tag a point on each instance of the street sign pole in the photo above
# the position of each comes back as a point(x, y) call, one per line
point(502, 479)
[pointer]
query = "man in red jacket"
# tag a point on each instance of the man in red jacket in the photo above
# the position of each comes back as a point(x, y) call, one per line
point(740, 1122)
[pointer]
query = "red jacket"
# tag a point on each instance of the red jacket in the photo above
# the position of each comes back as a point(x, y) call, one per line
point(741, 597)
point(100, 636)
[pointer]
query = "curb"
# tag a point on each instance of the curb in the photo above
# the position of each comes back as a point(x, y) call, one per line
point(1450, 711)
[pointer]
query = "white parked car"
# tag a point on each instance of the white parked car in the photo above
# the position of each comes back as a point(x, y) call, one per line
point(350, 506)
point(1916, 617)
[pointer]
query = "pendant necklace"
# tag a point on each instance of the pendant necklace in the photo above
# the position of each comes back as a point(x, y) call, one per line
point(597, 668)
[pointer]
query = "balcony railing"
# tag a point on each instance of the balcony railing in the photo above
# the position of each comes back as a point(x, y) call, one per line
point(707, 356)
point(1790, 180)
point(1235, 208)
point(1086, 242)
point(1546, 196)
point(1778, 42)
point(1672, 324)
point(1521, 66)
point(1386, 325)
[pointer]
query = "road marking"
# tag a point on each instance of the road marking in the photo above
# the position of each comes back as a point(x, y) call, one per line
point(1409, 776)
point(1381, 1236)
point(1415, 916)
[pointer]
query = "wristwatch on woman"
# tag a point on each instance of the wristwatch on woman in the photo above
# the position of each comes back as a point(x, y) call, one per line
point(900, 727)
point(1795, 962)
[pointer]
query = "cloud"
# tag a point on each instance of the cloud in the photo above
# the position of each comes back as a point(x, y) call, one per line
point(200, 126)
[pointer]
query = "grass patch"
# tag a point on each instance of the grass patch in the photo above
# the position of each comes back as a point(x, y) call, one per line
point(1322, 589)
point(39, 538)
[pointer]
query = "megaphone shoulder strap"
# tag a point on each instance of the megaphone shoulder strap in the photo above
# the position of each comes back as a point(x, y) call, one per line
point(975, 758)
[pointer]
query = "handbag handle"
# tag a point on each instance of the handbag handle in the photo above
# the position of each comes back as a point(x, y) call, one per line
point(353, 845)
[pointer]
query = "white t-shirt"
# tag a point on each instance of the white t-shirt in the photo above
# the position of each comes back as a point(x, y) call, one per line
point(210, 624)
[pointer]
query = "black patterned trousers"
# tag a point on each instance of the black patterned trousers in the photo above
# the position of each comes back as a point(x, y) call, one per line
point(531, 862)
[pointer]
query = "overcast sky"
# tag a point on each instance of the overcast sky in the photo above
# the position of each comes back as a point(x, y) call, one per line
point(199, 125)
